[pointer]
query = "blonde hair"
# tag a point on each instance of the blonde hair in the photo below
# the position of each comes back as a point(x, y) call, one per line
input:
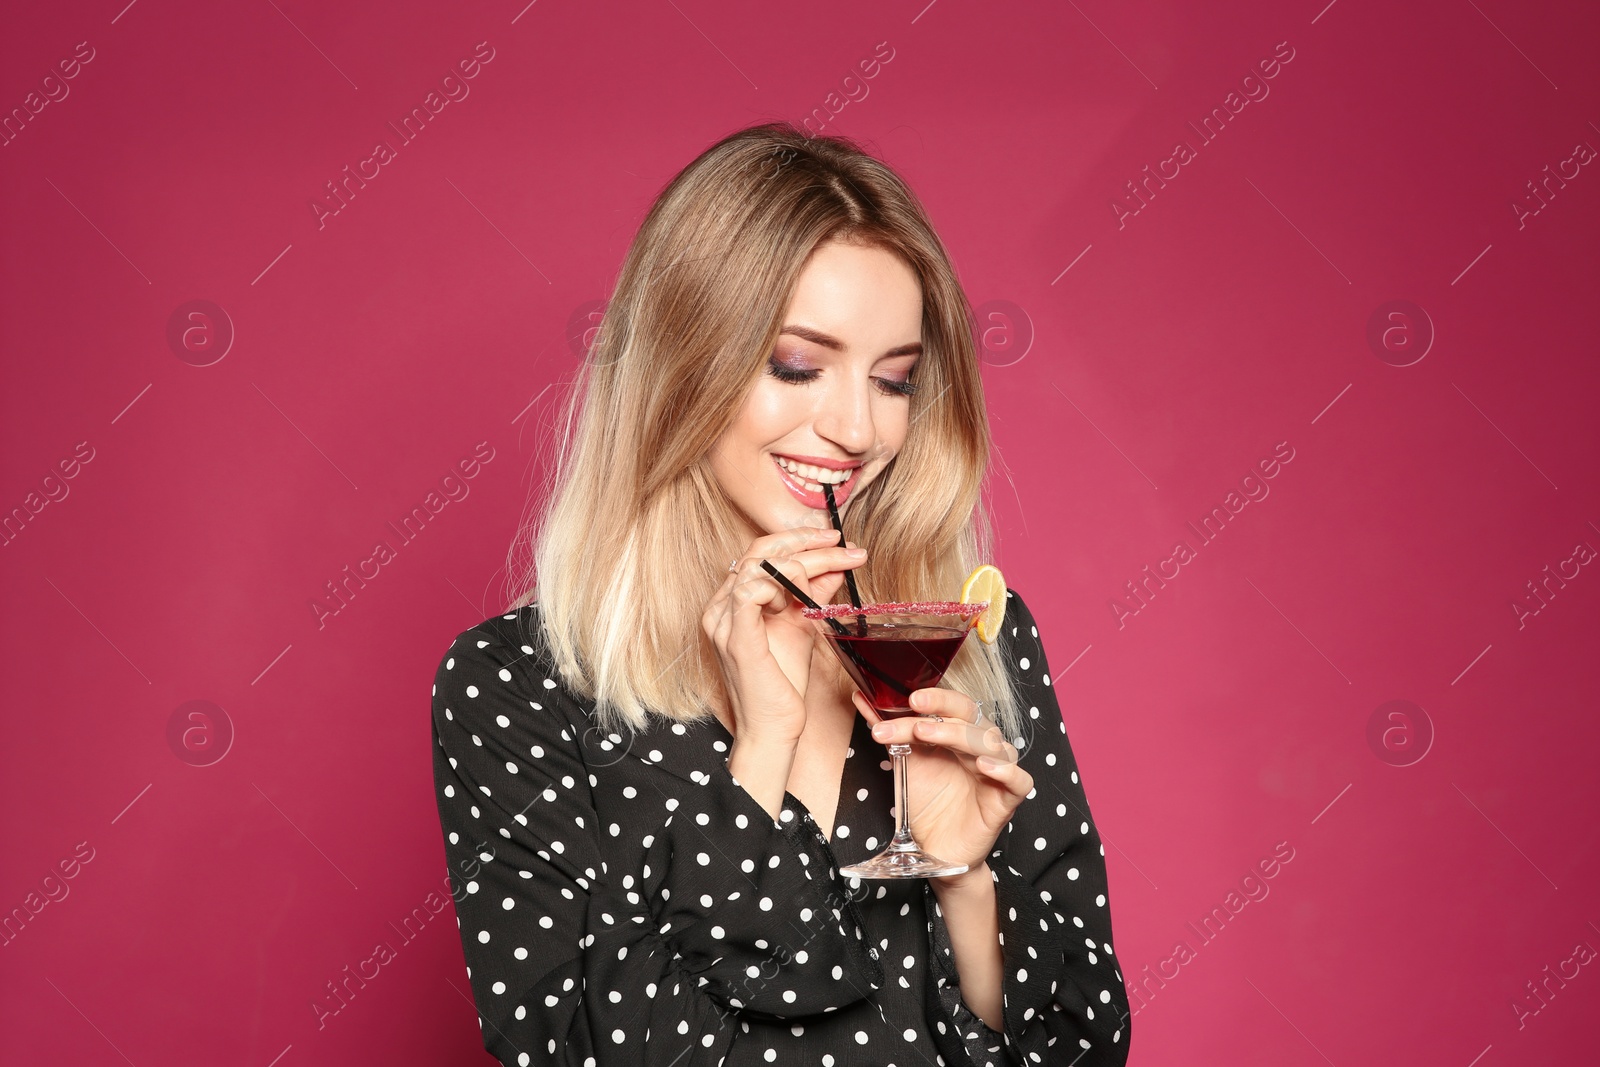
point(636, 533)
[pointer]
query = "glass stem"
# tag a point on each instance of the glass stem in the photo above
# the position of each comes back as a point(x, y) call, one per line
point(902, 801)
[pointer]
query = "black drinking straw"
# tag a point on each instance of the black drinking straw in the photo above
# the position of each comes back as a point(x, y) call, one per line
point(849, 576)
point(798, 595)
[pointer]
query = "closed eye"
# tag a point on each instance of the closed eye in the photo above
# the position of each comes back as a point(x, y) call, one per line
point(798, 376)
point(790, 374)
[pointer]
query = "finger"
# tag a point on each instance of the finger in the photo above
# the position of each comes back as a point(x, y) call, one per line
point(962, 738)
point(946, 703)
point(825, 587)
point(721, 628)
point(751, 600)
point(753, 589)
point(717, 611)
point(866, 709)
point(711, 618)
point(817, 574)
point(902, 730)
point(816, 562)
point(788, 542)
point(1017, 782)
point(755, 570)
point(780, 546)
point(723, 625)
point(774, 594)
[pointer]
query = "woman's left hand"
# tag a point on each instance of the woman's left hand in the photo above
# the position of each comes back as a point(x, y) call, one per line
point(965, 781)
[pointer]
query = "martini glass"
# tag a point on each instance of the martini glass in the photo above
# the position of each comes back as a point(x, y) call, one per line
point(890, 651)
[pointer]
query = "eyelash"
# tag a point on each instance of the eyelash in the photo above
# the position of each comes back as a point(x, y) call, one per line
point(801, 377)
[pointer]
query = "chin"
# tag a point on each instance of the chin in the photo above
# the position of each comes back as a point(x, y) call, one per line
point(789, 515)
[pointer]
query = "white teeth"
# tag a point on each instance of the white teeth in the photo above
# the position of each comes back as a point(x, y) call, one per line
point(813, 474)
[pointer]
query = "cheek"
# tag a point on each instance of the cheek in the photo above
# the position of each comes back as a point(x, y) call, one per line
point(771, 411)
point(892, 419)
point(767, 416)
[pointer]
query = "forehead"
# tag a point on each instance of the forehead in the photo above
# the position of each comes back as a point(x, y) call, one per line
point(868, 297)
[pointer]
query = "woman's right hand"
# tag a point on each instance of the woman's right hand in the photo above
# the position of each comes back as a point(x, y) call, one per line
point(763, 642)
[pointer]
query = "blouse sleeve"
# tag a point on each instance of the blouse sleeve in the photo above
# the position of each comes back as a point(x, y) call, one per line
point(1062, 988)
point(572, 962)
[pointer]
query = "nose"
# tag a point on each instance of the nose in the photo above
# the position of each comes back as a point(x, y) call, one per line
point(844, 415)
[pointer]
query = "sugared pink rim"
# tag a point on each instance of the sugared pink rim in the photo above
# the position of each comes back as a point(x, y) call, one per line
point(916, 607)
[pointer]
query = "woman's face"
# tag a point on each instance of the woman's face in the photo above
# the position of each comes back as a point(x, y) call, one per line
point(832, 402)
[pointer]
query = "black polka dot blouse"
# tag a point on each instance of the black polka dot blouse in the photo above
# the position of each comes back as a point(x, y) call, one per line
point(625, 901)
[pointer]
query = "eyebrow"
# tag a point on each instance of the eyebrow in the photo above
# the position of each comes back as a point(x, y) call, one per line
point(817, 337)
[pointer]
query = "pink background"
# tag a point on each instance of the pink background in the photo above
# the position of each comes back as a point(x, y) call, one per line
point(1140, 365)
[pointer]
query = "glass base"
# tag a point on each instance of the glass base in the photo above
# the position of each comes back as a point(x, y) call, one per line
point(907, 863)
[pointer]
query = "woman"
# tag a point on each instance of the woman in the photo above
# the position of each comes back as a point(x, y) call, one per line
point(650, 775)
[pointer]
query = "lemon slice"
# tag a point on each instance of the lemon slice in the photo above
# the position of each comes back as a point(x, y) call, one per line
point(987, 585)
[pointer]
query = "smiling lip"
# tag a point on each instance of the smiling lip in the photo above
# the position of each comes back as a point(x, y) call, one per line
point(818, 461)
point(816, 500)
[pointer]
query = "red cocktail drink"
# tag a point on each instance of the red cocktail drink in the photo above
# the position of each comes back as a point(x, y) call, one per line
point(891, 651)
point(890, 662)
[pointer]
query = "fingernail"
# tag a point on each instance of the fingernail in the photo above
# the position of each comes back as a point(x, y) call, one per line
point(988, 763)
point(918, 700)
point(881, 730)
point(855, 553)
